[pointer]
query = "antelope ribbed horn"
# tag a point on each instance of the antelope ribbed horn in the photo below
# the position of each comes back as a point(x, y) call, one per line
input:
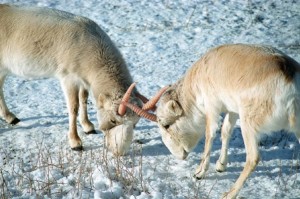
point(142, 97)
point(125, 99)
point(140, 112)
point(150, 105)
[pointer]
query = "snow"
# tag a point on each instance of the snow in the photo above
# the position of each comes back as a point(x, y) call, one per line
point(159, 39)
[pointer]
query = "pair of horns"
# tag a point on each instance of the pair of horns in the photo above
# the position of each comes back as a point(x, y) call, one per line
point(148, 104)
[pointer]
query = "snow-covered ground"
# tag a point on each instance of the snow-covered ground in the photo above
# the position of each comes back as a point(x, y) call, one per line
point(159, 39)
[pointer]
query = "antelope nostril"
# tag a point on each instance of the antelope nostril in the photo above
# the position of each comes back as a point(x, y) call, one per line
point(166, 126)
point(185, 154)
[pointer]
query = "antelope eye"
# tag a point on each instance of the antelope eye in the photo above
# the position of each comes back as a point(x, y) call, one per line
point(113, 121)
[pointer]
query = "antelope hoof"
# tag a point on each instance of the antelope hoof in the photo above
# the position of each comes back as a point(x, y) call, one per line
point(91, 132)
point(220, 167)
point(199, 175)
point(15, 121)
point(77, 148)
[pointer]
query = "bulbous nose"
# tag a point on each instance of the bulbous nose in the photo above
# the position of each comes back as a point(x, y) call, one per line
point(185, 155)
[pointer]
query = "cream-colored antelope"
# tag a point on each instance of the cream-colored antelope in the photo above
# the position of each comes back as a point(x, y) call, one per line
point(42, 42)
point(258, 84)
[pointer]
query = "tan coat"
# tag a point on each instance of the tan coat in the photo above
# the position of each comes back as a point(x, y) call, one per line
point(258, 84)
point(42, 42)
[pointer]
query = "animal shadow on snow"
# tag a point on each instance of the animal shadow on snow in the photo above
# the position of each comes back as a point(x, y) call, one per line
point(279, 141)
point(275, 146)
point(46, 123)
point(150, 134)
point(34, 122)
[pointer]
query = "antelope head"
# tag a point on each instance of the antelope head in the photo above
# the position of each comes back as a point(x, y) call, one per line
point(178, 131)
point(117, 121)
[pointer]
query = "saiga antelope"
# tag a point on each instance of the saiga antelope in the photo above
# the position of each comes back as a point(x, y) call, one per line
point(258, 84)
point(42, 42)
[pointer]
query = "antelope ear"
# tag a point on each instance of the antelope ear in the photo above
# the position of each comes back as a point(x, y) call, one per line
point(102, 99)
point(174, 108)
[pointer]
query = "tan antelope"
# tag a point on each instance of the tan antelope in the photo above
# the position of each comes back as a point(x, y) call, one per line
point(42, 42)
point(258, 84)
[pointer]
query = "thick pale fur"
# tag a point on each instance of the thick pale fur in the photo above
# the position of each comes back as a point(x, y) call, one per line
point(119, 138)
point(258, 84)
point(42, 42)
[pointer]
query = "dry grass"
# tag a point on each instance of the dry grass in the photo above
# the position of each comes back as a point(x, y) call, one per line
point(45, 172)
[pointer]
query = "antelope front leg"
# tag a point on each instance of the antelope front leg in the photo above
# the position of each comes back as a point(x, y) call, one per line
point(4, 112)
point(226, 132)
point(210, 133)
point(87, 126)
point(71, 92)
